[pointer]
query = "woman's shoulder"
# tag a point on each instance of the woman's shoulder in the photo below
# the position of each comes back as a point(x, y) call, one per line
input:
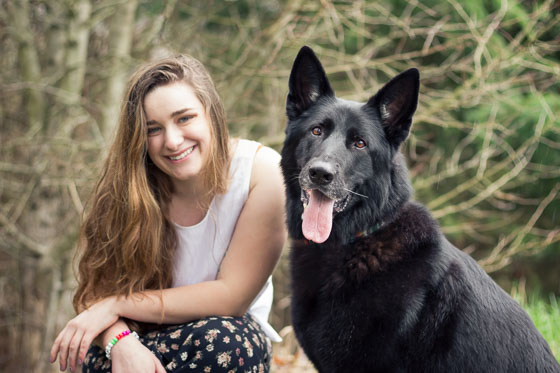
point(267, 155)
point(266, 166)
point(260, 153)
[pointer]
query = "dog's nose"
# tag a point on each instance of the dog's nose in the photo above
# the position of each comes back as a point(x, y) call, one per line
point(321, 173)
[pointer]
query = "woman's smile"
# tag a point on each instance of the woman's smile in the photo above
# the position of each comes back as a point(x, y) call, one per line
point(177, 157)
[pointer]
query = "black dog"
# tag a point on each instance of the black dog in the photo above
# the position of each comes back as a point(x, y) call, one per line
point(376, 286)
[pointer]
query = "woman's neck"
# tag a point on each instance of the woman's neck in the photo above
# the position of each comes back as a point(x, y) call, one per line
point(192, 188)
point(189, 202)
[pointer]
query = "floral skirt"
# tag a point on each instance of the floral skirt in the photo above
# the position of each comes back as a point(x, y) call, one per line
point(213, 344)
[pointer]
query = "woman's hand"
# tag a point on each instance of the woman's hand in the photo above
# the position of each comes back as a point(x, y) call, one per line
point(131, 356)
point(74, 340)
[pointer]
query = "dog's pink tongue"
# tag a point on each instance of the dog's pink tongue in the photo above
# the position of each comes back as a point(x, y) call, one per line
point(317, 217)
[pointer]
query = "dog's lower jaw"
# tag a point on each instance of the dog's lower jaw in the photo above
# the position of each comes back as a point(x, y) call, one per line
point(340, 204)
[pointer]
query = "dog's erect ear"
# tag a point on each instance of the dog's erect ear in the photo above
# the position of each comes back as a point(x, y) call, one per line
point(308, 82)
point(396, 103)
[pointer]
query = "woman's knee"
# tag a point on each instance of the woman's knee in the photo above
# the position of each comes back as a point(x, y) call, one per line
point(231, 332)
point(224, 342)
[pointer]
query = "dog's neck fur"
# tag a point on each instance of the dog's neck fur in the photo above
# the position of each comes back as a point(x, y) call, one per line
point(383, 209)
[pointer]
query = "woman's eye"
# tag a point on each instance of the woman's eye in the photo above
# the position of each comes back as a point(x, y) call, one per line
point(359, 143)
point(317, 131)
point(153, 130)
point(184, 119)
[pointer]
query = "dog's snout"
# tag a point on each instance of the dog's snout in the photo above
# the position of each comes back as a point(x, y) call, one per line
point(321, 173)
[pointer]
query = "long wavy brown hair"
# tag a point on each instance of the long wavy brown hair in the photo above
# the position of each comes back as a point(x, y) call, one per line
point(127, 241)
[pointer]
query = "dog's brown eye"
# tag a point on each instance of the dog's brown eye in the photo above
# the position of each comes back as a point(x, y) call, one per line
point(317, 131)
point(359, 143)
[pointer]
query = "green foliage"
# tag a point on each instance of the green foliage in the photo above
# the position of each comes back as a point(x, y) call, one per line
point(545, 313)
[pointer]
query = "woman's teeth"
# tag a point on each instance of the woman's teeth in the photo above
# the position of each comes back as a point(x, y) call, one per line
point(182, 155)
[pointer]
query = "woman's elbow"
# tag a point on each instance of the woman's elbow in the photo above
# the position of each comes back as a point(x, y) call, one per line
point(240, 311)
point(232, 301)
point(236, 308)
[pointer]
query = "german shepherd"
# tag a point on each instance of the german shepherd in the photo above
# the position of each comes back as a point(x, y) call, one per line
point(376, 287)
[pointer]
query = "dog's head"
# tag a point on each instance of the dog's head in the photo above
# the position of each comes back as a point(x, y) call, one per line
point(341, 154)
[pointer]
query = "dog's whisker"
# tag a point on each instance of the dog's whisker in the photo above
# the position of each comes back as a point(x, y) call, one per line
point(358, 194)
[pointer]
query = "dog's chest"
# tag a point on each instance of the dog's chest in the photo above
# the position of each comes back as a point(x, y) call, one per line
point(336, 324)
point(341, 283)
point(347, 298)
point(339, 266)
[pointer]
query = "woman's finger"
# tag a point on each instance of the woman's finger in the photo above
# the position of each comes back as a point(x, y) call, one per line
point(56, 346)
point(159, 367)
point(87, 339)
point(74, 348)
point(65, 345)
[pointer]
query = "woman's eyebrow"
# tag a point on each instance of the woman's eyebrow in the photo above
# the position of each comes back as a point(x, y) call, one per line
point(178, 112)
point(175, 113)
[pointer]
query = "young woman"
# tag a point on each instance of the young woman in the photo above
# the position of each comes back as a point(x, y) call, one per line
point(185, 228)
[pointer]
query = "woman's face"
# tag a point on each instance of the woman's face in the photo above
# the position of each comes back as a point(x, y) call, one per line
point(178, 131)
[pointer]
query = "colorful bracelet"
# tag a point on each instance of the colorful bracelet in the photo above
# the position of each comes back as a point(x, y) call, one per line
point(114, 341)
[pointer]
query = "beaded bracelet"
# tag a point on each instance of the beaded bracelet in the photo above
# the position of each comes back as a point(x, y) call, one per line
point(114, 341)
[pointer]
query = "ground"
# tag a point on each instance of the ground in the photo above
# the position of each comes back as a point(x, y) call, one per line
point(288, 357)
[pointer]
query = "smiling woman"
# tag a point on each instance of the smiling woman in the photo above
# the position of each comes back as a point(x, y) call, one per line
point(170, 242)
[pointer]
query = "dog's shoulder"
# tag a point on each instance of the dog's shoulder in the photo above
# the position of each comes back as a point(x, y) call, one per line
point(412, 229)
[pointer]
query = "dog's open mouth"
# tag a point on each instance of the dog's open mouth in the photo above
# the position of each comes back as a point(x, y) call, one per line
point(318, 212)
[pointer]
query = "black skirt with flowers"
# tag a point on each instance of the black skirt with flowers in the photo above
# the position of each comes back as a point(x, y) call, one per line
point(213, 344)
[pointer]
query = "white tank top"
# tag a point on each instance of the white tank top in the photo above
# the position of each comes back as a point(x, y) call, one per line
point(201, 247)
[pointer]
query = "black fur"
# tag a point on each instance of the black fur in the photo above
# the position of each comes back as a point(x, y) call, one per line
point(402, 298)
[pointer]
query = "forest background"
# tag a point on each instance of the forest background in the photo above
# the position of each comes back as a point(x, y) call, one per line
point(484, 152)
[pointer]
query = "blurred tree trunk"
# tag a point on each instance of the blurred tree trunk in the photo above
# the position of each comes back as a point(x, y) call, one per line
point(76, 47)
point(29, 63)
point(47, 209)
point(26, 337)
point(74, 68)
point(120, 42)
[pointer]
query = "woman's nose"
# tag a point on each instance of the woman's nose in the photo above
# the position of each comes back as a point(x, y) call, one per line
point(173, 137)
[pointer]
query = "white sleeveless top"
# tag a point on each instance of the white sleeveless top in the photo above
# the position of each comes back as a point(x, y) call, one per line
point(202, 247)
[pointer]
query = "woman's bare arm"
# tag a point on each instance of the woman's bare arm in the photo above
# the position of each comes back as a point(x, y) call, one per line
point(251, 257)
